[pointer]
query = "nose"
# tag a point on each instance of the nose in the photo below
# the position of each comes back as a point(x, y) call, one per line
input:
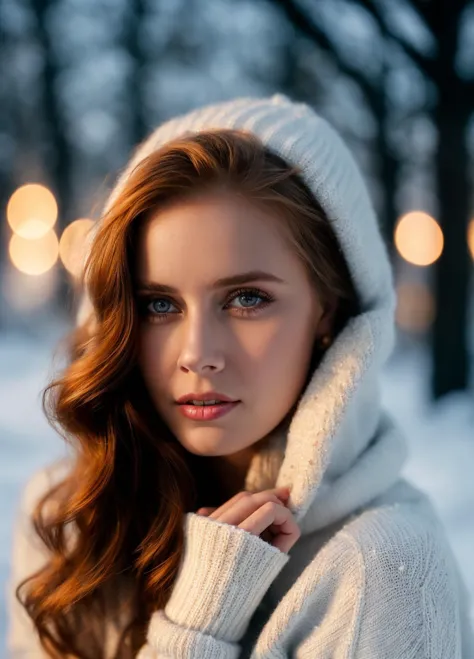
point(200, 347)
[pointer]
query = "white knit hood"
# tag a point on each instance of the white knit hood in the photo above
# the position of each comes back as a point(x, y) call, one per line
point(341, 449)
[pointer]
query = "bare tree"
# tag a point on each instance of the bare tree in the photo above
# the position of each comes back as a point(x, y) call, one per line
point(450, 113)
point(136, 80)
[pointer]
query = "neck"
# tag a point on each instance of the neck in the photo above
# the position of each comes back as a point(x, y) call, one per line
point(230, 471)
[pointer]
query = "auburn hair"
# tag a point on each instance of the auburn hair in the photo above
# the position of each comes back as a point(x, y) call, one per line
point(113, 527)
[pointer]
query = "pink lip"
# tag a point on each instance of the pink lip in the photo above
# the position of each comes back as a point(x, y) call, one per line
point(208, 395)
point(206, 412)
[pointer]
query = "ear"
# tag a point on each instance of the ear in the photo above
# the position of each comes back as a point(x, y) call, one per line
point(326, 320)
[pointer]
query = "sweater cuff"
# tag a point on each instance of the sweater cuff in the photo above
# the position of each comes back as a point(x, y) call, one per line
point(224, 574)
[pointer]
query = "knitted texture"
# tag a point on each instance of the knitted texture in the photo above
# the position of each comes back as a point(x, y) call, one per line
point(372, 575)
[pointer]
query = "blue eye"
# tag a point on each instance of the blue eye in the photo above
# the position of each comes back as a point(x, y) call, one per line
point(147, 304)
point(158, 301)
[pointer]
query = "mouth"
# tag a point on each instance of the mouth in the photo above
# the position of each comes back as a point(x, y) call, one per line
point(207, 412)
point(209, 403)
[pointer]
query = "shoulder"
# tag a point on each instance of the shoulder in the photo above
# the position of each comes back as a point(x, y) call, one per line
point(36, 486)
point(410, 587)
point(28, 552)
point(28, 555)
point(389, 531)
point(383, 586)
point(406, 536)
point(41, 481)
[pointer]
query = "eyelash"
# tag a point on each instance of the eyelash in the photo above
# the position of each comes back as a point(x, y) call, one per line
point(145, 300)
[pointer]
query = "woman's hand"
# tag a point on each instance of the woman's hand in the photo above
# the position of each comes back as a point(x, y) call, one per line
point(261, 513)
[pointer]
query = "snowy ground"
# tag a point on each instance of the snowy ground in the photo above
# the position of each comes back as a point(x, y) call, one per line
point(441, 439)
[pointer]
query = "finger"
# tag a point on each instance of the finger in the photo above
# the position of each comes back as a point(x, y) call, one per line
point(235, 513)
point(278, 491)
point(277, 517)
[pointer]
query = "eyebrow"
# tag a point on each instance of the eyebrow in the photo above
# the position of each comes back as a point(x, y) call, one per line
point(223, 282)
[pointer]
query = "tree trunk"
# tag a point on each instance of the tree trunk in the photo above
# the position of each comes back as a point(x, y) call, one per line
point(451, 116)
point(132, 44)
point(388, 163)
point(450, 357)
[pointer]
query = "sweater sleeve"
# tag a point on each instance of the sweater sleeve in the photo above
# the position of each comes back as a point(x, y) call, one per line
point(224, 574)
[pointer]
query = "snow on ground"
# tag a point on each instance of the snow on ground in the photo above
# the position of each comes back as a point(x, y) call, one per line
point(441, 439)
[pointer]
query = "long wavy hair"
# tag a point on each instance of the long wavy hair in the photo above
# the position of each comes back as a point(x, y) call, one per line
point(113, 526)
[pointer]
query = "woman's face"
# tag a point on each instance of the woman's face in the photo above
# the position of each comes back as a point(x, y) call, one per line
point(204, 337)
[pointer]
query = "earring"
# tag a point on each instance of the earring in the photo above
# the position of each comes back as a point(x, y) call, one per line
point(325, 341)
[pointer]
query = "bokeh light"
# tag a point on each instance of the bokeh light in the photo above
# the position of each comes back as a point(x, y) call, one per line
point(32, 211)
point(419, 238)
point(470, 237)
point(34, 257)
point(415, 307)
point(73, 244)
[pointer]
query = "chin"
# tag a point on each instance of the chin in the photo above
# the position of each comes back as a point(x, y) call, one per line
point(205, 448)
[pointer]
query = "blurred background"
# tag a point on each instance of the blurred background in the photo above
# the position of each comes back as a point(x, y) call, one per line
point(83, 81)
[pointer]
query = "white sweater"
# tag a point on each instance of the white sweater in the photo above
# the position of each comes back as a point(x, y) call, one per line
point(372, 575)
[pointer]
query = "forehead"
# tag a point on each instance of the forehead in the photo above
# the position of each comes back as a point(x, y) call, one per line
point(209, 237)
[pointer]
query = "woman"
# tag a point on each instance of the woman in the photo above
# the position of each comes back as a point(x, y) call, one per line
point(169, 532)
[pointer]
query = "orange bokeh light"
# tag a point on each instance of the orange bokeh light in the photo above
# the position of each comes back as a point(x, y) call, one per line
point(470, 237)
point(419, 238)
point(73, 244)
point(415, 307)
point(34, 257)
point(32, 211)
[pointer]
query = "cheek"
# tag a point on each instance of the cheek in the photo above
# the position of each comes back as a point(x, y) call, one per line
point(282, 366)
point(149, 360)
